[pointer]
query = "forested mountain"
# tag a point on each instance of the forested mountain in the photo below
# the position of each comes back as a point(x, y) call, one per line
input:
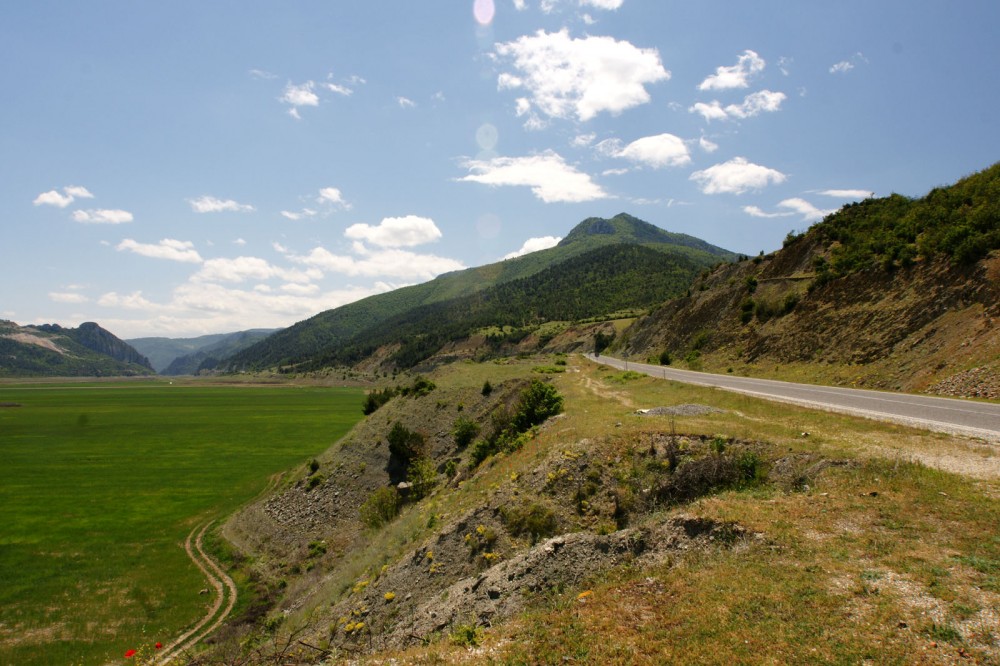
point(344, 332)
point(50, 350)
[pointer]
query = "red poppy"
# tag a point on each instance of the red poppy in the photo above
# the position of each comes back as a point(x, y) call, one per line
point(129, 654)
point(158, 645)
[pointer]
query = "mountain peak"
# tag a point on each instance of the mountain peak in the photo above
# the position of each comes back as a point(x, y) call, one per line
point(625, 228)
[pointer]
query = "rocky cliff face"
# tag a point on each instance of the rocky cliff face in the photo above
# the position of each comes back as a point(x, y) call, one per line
point(907, 329)
point(95, 338)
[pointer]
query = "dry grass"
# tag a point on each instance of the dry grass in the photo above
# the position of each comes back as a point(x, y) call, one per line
point(885, 560)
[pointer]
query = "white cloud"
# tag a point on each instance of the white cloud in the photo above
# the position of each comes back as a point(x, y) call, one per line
point(785, 65)
point(755, 211)
point(809, 212)
point(848, 194)
point(168, 248)
point(70, 194)
point(756, 103)
point(304, 213)
point(841, 67)
point(534, 245)
point(67, 297)
point(520, 5)
point(580, 77)
point(735, 76)
point(602, 4)
point(657, 151)
point(614, 172)
point(547, 174)
point(300, 95)
point(753, 105)
point(582, 140)
point(406, 231)
point(102, 216)
point(339, 89)
point(240, 242)
point(208, 204)
point(736, 177)
point(708, 145)
point(133, 301)
point(332, 195)
point(262, 74)
point(405, 102)
point(241, 269)
point(300, 289)
point(393, 263)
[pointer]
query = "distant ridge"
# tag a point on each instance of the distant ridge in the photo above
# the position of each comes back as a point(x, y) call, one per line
point(315, 338)
point(179, 356)
point(51, 350)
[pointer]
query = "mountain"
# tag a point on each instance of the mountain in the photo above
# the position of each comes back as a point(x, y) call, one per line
point(891, 292)
point(425, 311)
point(53, 350)
point(162, 352)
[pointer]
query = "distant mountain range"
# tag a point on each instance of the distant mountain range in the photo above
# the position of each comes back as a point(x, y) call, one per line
point(52, 350)
point(186, 356)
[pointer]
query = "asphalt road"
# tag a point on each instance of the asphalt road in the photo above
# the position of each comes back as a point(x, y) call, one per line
point(958, 417)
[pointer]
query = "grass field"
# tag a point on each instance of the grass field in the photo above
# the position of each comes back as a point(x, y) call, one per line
point(101, 483)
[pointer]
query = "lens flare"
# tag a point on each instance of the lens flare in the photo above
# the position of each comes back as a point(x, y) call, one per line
point(483, 10)
point(487, 136)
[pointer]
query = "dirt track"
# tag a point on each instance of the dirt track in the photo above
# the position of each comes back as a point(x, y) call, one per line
point(225, 593)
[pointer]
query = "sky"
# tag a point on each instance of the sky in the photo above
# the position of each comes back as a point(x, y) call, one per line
point(191, 167)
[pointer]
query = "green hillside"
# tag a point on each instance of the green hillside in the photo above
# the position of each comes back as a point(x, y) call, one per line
point(322, 336)
point(50, 350)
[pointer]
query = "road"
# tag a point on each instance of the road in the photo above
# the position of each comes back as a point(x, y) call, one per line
point(949, 415)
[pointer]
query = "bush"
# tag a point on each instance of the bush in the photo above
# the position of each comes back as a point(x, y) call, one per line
point(380, 507)
point(665, 358)
point(537, 402)
point(375, 399)
point(487, 388)
point(464, 431)
point(422, 477)
point(405, 444)
point(534, 520)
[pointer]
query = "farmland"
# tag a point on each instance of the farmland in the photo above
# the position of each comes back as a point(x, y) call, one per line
point(100, 483)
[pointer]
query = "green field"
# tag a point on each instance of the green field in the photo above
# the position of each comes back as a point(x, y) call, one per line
point(101, 483)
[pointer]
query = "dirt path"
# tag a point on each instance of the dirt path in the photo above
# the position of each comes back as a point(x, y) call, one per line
point(225, 593)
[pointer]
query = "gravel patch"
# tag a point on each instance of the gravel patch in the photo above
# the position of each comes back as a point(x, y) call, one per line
point(679, 410)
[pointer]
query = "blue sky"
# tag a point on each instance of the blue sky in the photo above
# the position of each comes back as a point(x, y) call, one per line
point(180, 168)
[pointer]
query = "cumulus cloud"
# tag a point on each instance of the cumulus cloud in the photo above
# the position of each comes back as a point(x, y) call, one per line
point(168, 248)
point(579, 77)
point(67, 297)
point(208, 204)
point(62, 199)
point(708, 145)
point(405, 102)
point(303, 94)
point(736, 177)
point(394, 263)
point(547, 174)
point(841, 67)
point(735, 76)
point(602, 4)
point(753, 105)
point(241, 269)
point(102, 216)
point(133, 301)
point(534, 245)
point(657, 151)
point(332, 195)
point(406, 231)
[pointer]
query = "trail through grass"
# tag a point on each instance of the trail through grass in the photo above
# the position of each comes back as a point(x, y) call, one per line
point(99, 485)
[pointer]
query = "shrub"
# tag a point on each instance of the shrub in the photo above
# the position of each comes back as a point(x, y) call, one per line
point(405, 444)
point(487, 388)
point(422, 477)
point(538, 402)
point(421, 386)
point(313, 466)
point(534, 520)
point(380, 507)
point(375, 399)
point(314, 481)
point(665, 358)
point(464, 431)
